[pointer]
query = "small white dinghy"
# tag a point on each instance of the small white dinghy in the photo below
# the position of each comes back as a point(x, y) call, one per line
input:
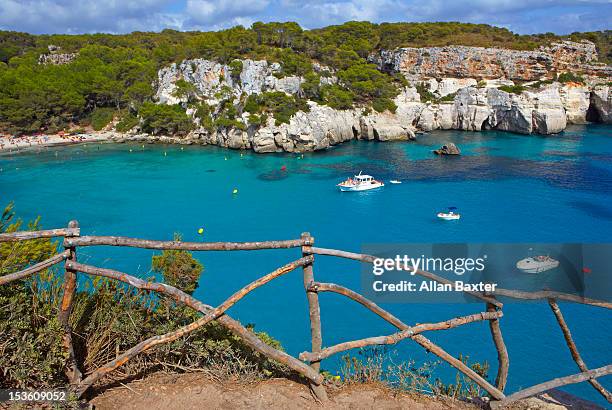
point(450, 214)
point(395, 181)
point(359, 183)
point(537, 264)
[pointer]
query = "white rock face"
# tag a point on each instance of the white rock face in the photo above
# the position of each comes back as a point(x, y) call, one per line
point(451, 85)
point(548, 113)
point(601, 98)
point(385, 127)
point(475, 109)
point(576, 100)
point(210, 78)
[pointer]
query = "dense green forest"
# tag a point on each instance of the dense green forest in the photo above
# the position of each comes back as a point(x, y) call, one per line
point(113, 75)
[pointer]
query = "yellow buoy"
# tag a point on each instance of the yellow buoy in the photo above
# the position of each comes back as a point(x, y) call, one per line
point(165, 153)
point(181, 148)
point(235, 191)
point(201, 231)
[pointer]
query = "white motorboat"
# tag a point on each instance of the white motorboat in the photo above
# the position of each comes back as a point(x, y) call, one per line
point(449, 215)
point(537, 264)
point(360, 183)
point(395, 181)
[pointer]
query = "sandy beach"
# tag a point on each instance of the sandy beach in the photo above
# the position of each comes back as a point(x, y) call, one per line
point(14, 144)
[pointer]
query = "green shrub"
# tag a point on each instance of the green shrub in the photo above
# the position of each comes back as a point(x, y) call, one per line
point(203, 111)
point(448, 98)
point(280, 105)
point(293, 63)
point(252, 104)
point(337, 97)
point(164, 119)
point(184, 89)
point(236, 67)
point(127, 122)
point(255, 119)
point(367, 83)
point(178, 267)
point(376, 365)
point(311, 86)
point(512, 89)
point(384, 104)
point(101, 117)
point(569, 77)
point(424, 92)
point(224, 122)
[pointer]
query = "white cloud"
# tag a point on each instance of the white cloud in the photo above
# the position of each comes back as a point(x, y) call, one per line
point(69, 16)
point(206, 12)
point(74, 16)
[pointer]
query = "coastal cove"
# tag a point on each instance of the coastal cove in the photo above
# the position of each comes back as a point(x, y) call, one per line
point(509, 187)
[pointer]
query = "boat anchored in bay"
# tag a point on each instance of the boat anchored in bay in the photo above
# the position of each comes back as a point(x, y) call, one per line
point(360, 183)
point(537, 264)
point(450, 214)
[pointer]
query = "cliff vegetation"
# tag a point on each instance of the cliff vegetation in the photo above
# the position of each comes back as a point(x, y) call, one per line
point(52, 82)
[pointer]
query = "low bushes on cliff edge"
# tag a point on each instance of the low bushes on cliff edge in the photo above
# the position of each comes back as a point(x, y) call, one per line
point(376, 365)
point(108, 318)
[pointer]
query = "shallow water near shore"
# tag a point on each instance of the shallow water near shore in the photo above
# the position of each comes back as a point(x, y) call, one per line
point(508, 187)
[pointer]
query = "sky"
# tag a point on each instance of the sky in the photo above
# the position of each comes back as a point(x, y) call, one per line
point(124, 16)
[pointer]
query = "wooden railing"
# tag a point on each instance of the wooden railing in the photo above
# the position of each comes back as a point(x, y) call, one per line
point(308, 363)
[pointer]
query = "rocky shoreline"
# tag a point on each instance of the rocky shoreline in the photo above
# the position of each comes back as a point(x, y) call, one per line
point(506, 90)
point(446, 88)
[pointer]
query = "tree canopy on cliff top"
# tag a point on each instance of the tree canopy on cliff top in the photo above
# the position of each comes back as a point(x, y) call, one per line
point(118, 70)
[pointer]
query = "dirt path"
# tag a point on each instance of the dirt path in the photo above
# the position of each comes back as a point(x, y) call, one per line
point(193, 391)
point(196, 391)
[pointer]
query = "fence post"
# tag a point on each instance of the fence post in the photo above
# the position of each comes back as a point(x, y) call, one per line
point(502, 353)
point(70, 282)
point(314, 313)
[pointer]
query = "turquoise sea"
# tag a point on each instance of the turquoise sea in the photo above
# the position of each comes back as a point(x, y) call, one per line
point(509, 188)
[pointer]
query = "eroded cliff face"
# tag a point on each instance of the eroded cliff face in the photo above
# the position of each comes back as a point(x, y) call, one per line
point(211, 78)
point(464, 83)
point(478, 109)
point(491, 63)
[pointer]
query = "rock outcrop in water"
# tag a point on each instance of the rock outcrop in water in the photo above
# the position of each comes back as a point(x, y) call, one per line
point(462, 83)
point(448, 149)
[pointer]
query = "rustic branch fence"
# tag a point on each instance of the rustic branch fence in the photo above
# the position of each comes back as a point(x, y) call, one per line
point(308, 364)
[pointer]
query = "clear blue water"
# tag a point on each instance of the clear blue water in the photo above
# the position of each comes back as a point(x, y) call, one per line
point(510, 188)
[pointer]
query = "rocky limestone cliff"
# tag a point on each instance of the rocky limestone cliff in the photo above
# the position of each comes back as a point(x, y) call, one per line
point(491, 63)
point(463, 84)
point(545, 111)
point(210, 78)
point(477, 109)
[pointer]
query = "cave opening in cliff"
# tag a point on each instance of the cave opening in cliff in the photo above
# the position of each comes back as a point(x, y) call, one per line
point(592, 114)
